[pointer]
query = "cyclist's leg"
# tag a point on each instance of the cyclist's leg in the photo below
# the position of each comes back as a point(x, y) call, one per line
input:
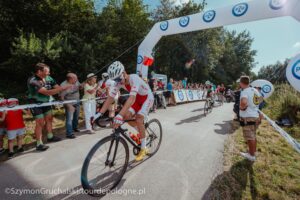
point(128, 116)
point(142, 115)
point(112, 110)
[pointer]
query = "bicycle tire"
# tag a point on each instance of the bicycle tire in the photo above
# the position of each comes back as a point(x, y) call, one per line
point(205, 108)
point(84, 171)
point(151, 134)
point(210, 107)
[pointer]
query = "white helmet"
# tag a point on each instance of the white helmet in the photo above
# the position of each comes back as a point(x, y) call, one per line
point(115, 70)
point(105, 76)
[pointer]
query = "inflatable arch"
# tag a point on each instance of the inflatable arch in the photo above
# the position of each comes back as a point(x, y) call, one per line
point(235, 14)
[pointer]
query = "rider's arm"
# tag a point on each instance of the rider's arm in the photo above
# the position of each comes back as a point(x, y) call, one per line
point(130, 101)
point(106, 104)
point(135, 85)
point(113, 91)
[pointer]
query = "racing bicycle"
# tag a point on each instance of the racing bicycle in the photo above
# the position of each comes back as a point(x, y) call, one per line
point(208, 106)
point(107, 161)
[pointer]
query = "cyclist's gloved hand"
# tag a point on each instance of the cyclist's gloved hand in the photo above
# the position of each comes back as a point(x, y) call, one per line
point(118, 121)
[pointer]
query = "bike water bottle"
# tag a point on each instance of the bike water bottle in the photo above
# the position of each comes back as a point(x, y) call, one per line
point(138, 138)
point(132, 136)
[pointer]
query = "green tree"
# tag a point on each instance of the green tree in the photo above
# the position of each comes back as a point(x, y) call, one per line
point(274, 73)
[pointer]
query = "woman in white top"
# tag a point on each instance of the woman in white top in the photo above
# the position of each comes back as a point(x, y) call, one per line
point(89, 106)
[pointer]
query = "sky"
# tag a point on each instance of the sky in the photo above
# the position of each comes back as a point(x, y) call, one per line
point(274, 39)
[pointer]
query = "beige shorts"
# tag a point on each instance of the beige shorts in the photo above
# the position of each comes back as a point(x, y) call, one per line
point(249, 131)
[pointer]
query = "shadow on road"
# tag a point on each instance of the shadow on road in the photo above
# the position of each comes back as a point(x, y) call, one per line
point(14, 182)
point(198, 110)
point(78, 190)
point(191, 119)
point(231, 184)
point(227, 127)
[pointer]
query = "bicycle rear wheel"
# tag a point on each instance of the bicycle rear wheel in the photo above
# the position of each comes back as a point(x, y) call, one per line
point(154, 136)
point(206, 108)
point(104, 166)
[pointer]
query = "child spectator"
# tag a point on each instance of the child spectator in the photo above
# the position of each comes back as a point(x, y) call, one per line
point(2, 125)
point(15, 127)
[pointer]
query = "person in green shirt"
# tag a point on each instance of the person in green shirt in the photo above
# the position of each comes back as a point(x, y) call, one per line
point(40, 89)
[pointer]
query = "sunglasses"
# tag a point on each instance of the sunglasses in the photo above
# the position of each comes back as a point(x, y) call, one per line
point(119, 79)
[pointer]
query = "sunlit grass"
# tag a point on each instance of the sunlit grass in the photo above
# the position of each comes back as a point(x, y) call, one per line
point(274, 175)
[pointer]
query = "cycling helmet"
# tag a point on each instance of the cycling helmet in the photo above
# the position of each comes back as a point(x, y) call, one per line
point(207, 83)
point(105, 76)
point(115, 70)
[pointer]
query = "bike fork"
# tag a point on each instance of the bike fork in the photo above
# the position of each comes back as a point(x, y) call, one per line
point(108, 162)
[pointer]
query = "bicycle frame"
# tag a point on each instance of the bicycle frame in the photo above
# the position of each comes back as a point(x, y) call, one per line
point(119, 132)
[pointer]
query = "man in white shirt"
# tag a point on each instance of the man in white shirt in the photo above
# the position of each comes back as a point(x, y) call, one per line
point(249, 116)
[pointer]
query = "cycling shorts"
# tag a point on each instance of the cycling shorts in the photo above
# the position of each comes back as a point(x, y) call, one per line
point(41, 112)
point(142, 105)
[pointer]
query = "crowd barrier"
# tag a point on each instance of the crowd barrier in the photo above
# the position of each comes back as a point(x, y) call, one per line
point(186, 95)
point(283, 133)
point(181, 96)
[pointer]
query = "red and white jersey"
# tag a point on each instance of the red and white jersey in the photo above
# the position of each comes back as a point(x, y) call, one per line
point(106, 84)
point(136, 87)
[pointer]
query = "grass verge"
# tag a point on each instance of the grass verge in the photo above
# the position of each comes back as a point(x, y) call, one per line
point(275, 174)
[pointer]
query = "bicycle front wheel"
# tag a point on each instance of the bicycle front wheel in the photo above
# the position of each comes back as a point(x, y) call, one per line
point(104, 166)
point(154, 136)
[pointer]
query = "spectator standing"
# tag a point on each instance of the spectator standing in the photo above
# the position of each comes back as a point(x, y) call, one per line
point(41, 87)
point(236, 106)
point(169, 93)
point(72, 110)
point(184, 83)
point(151, 84)
point(3, 103)
point(15, 127)
point(222, 89)
point(89, 106)
point(160, 84)
point(250, 118)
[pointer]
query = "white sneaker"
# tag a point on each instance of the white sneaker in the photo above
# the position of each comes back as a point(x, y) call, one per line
point(248, 156)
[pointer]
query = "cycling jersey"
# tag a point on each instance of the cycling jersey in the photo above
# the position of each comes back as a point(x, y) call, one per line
point(106, 84)
point(35, 83)
point(209, 93)
point(136, 87)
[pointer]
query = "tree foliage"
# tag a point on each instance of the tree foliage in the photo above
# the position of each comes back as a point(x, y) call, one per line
point(220, 55)
point(274, 73)
point(71, 35)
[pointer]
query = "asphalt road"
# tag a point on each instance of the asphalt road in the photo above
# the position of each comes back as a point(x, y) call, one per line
point(184, 167)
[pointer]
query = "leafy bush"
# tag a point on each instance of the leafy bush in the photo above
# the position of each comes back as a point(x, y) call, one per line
point(285, 103)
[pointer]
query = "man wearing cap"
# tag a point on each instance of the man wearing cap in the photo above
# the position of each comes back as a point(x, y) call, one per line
point(89, 105)
point(71, 109)
point(40, 89)
point(249, 116)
